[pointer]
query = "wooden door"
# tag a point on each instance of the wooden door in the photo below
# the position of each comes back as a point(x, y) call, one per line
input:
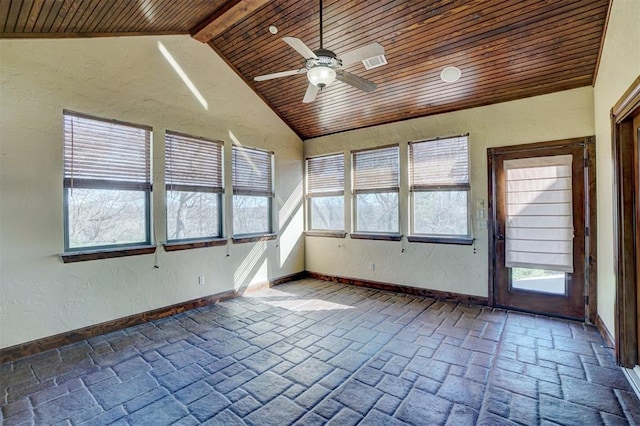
point(557, 290)
point(636, 156)
point(626, 244)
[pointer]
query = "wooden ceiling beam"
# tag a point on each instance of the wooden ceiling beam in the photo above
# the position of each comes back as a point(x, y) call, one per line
point(227, 16)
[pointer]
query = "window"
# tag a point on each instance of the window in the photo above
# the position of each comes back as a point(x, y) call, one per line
point(325, 193)
point(194, 187)
point(252, 190)
point(439, 186)
point(375, 186)
point(539, 210)
point(107, 183)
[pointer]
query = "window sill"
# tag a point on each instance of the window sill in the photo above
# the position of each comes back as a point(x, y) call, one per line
point(464, 241)
point(329, 234)
point(381, 237)
point(82, 256)
point(254, 238)
point(186, 245)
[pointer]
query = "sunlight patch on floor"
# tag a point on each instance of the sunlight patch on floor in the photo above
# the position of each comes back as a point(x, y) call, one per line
point(301, 305)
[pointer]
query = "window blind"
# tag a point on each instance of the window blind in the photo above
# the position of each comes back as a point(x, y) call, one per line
point(252, 171)
point(325, 175)
point(192, 164)
point(104, 154)
point(376, 169)
point(539, 213)
point(439, 163)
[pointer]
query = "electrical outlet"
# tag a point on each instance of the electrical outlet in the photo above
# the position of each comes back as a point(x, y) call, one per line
point(482, 224)
point(372, 266)
point(480, 214)
point(201, 279)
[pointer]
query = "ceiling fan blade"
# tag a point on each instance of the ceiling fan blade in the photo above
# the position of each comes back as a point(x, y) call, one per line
point(310, 94)
point(355, 81)
point(279, 74)
point(361, 53)
point(300, 47)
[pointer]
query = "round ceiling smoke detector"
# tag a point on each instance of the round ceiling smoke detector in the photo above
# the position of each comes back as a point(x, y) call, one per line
point(273, 29)
point(450, 74)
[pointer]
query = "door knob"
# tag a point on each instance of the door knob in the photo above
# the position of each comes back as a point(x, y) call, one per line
point(500, 237)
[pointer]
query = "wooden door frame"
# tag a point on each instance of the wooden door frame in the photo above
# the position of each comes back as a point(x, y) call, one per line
point(590, 215)
point(626, 319)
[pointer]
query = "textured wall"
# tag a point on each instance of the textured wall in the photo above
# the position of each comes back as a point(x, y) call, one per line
point(619, 67)
point(127, 79)
point(461, 269)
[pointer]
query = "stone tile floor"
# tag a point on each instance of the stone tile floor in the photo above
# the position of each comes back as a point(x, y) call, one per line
point(313, 352)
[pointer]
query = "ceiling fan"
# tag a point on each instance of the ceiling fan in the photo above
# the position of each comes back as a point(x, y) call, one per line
point(323, 67)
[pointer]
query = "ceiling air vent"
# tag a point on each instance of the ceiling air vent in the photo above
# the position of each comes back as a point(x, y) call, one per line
point(374, 62)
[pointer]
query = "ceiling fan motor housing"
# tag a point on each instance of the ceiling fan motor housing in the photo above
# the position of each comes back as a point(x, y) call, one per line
point(324, 58)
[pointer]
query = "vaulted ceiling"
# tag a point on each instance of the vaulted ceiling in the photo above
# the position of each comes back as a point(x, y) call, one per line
point(506, 49)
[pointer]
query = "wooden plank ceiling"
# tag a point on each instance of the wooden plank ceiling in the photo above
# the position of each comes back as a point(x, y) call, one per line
point(506, 49)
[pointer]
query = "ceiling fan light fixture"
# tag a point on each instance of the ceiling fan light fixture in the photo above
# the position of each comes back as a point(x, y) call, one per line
point(321, 76)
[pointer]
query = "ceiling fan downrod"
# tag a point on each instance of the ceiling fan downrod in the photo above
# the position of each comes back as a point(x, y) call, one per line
point(320, 24)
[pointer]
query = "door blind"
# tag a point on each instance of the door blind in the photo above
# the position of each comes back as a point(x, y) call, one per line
point(325, 175)
point(192, 164)
point(376, 170)
point(252, 171)
point(106, 154)
point(439, 163)
point(539, 213)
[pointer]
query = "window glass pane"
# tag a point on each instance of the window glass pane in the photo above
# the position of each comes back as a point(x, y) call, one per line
point(440, 212)
point(102, 217)
point(192, 215)
point(538, 280)
point(251, 214)
point(377, 212)
point(327, 213)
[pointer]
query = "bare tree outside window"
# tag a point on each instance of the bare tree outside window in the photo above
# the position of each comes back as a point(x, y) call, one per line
point(192, 215)
point(100, 217)
point(251, 215)
point(440, 212)
point(377, 212)
point(327, 213)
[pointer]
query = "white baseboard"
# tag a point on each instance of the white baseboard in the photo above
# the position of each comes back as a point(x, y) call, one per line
point(633, 375)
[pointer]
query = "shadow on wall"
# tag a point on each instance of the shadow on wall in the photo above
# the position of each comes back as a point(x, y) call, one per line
point(256, 263)
point(290, 224)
